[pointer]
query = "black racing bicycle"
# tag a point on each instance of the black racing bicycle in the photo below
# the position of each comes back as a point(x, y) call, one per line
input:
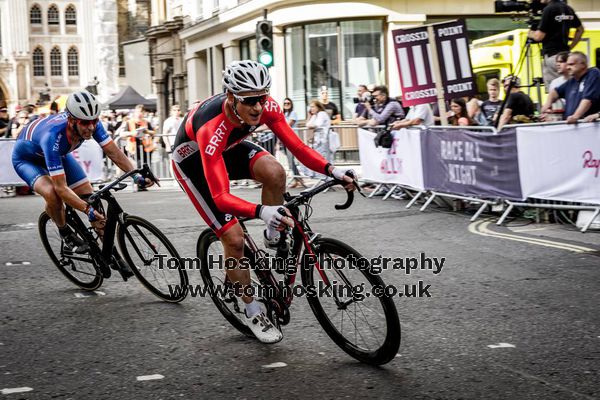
point(139, 242)
point(337, 282)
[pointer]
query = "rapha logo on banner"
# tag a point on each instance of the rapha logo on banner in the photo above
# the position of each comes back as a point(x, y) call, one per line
point(590, 162)
point(392, 164)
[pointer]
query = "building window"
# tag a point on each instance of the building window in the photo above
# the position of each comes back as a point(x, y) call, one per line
point(35, 14)
point(38, 62)
point(73, 62)
point(53, 17)
point(248, 49)
point(55, 62)
point(339, 55)
point(70, 15)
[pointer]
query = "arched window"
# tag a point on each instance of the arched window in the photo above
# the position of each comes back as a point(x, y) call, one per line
point(73, 61)
point(55, 62)
point(38, 62)
point(70, 15)
point(35, 14)
point(53, 17)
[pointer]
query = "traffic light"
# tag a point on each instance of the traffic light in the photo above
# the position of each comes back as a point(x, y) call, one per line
point(264, 42)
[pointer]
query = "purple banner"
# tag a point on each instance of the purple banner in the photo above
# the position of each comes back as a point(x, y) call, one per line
point(413, 56)
point(471, 164)
point(455, 63)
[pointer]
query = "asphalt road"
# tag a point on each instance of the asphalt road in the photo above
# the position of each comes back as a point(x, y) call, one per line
point(514, 314)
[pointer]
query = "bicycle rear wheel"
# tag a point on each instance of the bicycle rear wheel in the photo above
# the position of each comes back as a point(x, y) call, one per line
point(78, 268)
point(209, 250)
point(363, 325)
point(140, 242)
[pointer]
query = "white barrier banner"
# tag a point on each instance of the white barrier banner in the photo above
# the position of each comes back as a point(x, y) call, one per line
point(89, 156)
point(7, 172)
point(400, 164)
point(560, 162)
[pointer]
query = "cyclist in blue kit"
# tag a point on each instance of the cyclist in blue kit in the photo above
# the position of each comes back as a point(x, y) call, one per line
point(42, 158)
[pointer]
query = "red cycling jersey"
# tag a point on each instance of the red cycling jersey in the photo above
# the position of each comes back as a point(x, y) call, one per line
point(214, 133)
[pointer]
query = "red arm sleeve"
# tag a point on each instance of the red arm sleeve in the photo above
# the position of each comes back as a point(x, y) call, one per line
point(275, 120)
point(218, 181)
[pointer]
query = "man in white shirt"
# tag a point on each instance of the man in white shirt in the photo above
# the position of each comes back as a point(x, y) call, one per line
point(417, 115)
point(170, 126)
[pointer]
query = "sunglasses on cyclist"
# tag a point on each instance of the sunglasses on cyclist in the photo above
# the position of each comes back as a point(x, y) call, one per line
point(252, 100)
point(87, 123)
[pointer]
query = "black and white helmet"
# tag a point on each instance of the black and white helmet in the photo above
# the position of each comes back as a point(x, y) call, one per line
point(83, 105)
point(246, 76)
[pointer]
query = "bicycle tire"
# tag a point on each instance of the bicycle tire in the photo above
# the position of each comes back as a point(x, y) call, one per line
point(171, 293)
point(96, 280)
point(390, 345)
point(206, 239)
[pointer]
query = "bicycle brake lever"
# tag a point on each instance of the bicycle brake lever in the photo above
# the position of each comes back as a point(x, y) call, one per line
point(147, 172)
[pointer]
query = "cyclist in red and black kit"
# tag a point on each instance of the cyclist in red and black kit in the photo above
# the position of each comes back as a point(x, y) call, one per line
point(210, 149)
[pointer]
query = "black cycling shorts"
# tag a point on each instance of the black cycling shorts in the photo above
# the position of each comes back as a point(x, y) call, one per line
point(190, 174)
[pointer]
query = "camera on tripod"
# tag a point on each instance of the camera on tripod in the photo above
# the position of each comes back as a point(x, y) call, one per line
point(532, 10)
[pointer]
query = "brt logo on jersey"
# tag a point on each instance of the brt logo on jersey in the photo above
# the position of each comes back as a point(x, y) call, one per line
point(216, 139)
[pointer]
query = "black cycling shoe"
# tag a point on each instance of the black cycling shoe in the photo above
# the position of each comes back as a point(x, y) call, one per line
point(75, 244)
point(123, 267)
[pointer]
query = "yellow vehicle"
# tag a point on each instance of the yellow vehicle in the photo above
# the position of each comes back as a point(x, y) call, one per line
point(498, 56)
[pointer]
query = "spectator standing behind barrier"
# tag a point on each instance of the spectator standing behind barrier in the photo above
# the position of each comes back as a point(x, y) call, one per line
point(519, 107)
point(474, 111)
point(141, 136)
point(553, 31)
point(581, 92)
point(492, 105)
point(561, 67)
point(385, 111)
point(171, 125)
point(362, 95)
point(330, 107)
point(4, 122)
point(291, 117)
point(458, 115)
point(417, 115)
point(318, 124)
point(18, 123)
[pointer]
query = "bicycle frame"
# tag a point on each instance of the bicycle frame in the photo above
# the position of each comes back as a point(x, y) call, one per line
point(303, 237)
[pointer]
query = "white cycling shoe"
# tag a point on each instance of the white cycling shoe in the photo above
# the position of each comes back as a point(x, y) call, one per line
point(263, 329)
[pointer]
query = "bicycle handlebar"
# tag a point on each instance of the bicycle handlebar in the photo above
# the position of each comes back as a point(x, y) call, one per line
point(321, 188)
point(144, 171)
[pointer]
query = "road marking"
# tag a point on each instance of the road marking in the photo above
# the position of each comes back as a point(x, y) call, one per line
point(80, 295)
point(149, 377)
point(519, 230)
point(275, 365)
point(8, 264)
point(16, 390)
point(481, 228)
point(501, 346)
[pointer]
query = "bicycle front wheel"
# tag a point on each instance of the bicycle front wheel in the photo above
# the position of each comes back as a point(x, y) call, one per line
point(209, 249)
point(78, 268)
point(363, 325)
point(153, 259)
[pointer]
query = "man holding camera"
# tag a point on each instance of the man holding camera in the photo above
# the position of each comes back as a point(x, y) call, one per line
point(553, 32)
point(380, 109)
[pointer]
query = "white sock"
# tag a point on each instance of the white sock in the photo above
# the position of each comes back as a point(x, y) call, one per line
point(253, 309)
point(271, 234)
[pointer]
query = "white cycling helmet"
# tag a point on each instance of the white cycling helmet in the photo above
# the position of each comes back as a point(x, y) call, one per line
point(246, 76)
point(83, 105)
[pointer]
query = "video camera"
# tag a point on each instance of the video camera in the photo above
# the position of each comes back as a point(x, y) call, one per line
point(532, 8)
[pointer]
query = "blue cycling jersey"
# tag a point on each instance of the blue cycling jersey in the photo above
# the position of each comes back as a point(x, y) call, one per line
point(48, 141)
